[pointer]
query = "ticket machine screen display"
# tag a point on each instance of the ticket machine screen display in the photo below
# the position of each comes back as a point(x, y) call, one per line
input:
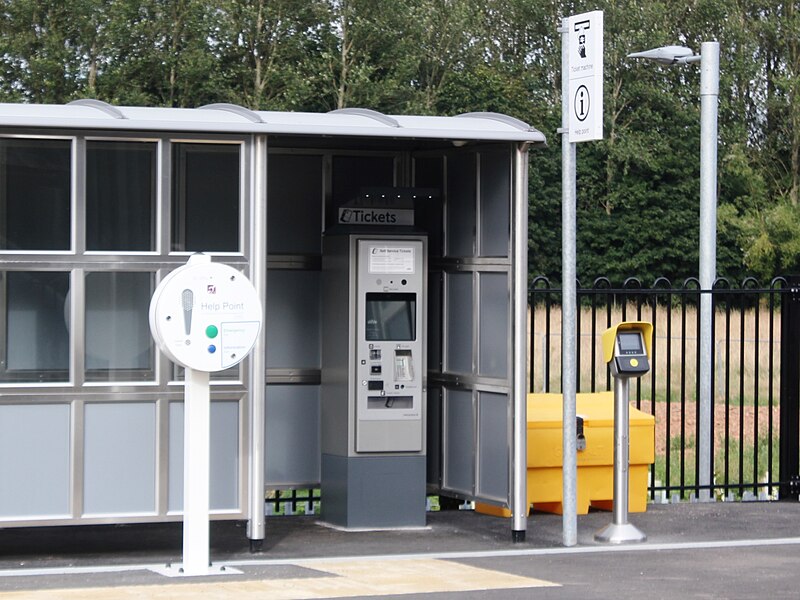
point(391, 317)
point(630, 343)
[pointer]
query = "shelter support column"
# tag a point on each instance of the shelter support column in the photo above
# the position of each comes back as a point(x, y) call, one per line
point(258, 368)
point(519, 258)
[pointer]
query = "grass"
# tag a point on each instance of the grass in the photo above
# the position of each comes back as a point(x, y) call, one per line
point(293, 502)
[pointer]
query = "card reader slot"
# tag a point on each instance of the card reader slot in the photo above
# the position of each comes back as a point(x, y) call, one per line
point(390, 402)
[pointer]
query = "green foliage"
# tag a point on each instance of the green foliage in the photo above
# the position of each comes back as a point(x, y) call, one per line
point(455, 56)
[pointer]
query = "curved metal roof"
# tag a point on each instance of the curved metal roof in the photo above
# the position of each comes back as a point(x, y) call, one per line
point(231, 118)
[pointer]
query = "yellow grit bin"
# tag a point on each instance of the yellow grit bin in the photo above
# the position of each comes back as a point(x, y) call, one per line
point(595, 474)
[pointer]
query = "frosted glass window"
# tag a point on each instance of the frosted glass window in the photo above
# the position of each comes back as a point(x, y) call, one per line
point(35, 182)
point(293, 319)
point(352, 174)
point(294, 205)
point(119, 475)
point(118, 341)
point(459, 422)
point(34, 341)
point(461, 218)
point(494, 324)
point(493, 445)
point(205, 197)
point(120, 195)
point(34, 460)
point(458, 318)
point(495, 203)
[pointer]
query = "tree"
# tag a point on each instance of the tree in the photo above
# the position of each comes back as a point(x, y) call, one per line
point(159, 54)
point(454, 56)
point(43, 60)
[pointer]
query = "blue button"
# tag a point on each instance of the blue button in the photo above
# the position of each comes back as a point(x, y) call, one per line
point(212, 348)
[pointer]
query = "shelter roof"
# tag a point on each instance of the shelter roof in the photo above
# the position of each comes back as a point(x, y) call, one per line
point(231, 118)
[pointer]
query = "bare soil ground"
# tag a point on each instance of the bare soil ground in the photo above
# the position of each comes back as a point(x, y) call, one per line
point(735, 431)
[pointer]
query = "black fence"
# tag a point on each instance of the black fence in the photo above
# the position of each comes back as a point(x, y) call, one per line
point(754, 445)
point(755, 442)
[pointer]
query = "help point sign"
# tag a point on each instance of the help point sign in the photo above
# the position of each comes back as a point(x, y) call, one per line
point(205, 316)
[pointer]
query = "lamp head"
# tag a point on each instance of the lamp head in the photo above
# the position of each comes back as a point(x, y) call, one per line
point(666, 55)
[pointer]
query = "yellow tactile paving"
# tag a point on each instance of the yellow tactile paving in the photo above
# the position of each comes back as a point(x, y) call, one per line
point(338, 579)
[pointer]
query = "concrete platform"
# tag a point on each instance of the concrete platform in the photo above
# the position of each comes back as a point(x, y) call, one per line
point(716, 550)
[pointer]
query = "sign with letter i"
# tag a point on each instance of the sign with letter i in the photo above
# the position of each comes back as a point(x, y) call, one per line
point(585, 73)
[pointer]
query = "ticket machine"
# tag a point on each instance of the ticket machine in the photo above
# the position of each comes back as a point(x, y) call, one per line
point(626, 350)
point(373, 393)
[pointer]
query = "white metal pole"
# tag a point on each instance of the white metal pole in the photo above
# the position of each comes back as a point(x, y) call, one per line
point(621, 451)
point(519, 500)
point(568, 307)
point(196, 463)
point(256, 525)
point(619, 531)
point(709, 93)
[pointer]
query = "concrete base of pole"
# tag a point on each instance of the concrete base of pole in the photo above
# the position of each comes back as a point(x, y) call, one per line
point(178, 570)
point(619, 534)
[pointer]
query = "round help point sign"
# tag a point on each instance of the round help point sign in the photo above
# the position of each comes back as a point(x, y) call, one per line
point(205, 316)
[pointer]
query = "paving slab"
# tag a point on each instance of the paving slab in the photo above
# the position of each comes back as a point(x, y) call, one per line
point(713, 550)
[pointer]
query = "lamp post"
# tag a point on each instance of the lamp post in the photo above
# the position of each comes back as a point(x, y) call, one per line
point(709, 94)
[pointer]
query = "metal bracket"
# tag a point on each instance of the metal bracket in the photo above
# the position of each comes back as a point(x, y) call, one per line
point(580, 439)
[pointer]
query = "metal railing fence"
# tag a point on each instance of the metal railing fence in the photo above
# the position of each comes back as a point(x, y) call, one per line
point(753, 449)
point(756, 380)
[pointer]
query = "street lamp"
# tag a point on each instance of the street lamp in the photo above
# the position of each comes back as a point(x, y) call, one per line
point(709, 94)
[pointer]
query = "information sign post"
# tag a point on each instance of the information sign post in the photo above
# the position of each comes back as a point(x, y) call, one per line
point(581, 121)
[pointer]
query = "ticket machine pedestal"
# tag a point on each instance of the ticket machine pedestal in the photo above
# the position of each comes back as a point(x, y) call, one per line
point(373, 381)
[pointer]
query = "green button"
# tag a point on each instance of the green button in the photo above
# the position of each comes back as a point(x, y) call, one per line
point(212, 331)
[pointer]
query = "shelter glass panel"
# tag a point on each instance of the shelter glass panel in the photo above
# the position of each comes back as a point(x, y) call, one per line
point(224, 460)
point(459, 323)
point(120, 458)
point(493, 445)
point(34, 460)
point(495, 204)
point(459, 445)
point(120, 195)
point(294, 205)
point(429, 173)
point(34, 338)
point(293, 422)
point(435, 285)
point(35, 193)
point(351, 174)
point(461, 217)
point(118, 342)
point(206, 192)
point(293, 319)
point(494, 325)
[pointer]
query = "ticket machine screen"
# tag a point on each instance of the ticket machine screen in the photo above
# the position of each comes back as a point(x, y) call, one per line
point(630, 342)
point(391, 317)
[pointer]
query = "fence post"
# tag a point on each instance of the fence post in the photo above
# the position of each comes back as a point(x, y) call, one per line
point(789, 451)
